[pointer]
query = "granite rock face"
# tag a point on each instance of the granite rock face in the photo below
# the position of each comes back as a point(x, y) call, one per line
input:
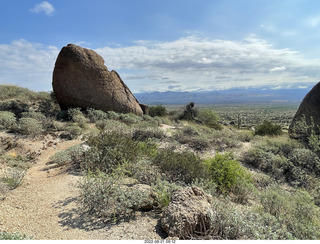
point(80, 79)
point(307, 118)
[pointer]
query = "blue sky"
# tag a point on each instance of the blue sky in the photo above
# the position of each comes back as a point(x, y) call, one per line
point(160, 45)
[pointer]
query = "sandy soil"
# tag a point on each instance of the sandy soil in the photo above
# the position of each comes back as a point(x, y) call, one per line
point(45, 206)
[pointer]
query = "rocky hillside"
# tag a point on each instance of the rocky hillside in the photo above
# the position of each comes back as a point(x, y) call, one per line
point(172, 174)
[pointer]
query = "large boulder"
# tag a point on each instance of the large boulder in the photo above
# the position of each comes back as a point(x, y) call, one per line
point(80, 79)
point(307, 118)
point(188, 214)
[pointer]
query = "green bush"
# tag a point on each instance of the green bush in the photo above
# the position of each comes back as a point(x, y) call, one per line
point(34, 115)
point(285, 160)
point(180, 167)
point(74, 130)
point(72, 154)
point(295, 211)
point(228, 174)
point(195, 136)
point(7, 120)
point(147, 134)
point(113, 115)
point(268, 128)
point(146, 172)
point(158, 110)
point(266, 161)
point(306, 159)
point(112, 125)
point(16, 107)
point(96, 115)
point(108, 150)
point(61, 158)
point(209, 118)
point(29, 126)
point(164, 190)
point(130, 118)
point(19, 93)
point(230, 223)
point(105, 196)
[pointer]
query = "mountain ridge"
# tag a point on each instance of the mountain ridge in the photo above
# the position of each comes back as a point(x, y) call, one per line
point(230, 96)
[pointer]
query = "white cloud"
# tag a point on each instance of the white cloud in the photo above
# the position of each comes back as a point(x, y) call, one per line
point(276, 69)
point(27, 64)
point(44, 7)
point(199, 63)
point(189, 63)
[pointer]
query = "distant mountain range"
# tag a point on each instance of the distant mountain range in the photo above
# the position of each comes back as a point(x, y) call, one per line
point(231, 96)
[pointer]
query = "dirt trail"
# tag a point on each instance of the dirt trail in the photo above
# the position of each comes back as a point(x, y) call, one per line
point(45, 207)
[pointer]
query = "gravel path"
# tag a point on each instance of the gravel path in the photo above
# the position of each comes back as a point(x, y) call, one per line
point(45, 207)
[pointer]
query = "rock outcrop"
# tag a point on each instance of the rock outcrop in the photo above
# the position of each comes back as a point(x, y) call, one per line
point(188, 214)
point(307, 118)
point(80, 79)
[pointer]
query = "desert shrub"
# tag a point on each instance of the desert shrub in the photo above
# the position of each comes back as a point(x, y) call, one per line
point(209, 118)
point(47, 123)
point(49, 107)
point(245, 136)
point(72, 154)
point(29, 126)
point(228, 174)
point(15, 161)
point(13, 236)
point(278, 145)
point(314, 142)
point(266, 161)
point(224, 139)
point(113, 115)
point(73, 112)
point(295, 211)
point(206, 184)
point(7, 120)
point(230, 223)
point(268, 128)
point(34, 115)
point(19, 93)
point(147, 134)
point(96, 115)
point(16, 107)
point(158, 110)
point(261, 180)
point(108, 150)
point(306, 159)
point(130, 118)
point(112, 125)
point(74, 130)
point(105, 196)
point(164, 190)
point(13, 177)
point(75, 115)
point(195, 136)
point(285, 160)
point(146, 172)
point(61, 158)
point(181, 167)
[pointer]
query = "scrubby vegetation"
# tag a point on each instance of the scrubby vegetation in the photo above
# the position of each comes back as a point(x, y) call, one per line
point(264, 185)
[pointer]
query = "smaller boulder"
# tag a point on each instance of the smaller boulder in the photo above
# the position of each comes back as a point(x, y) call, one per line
point(188, 214)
